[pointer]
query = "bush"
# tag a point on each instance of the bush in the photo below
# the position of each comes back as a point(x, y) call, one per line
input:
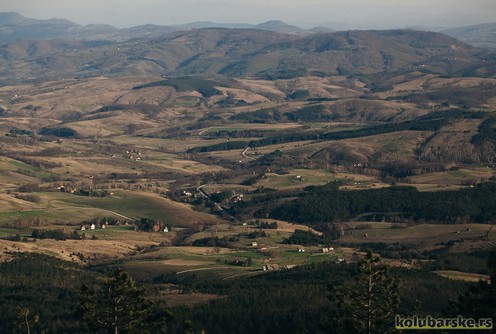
point(63, 132)
point(268, 225)
point(28, 197)
point(29, 188)
point(304, 238)
point(53, 234)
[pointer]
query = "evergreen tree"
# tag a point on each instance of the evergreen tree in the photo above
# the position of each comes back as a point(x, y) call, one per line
point(118, 305)
point(368, 304)
point(480, 300)
point(26, 320)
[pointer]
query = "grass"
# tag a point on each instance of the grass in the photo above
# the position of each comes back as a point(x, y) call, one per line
point(185, 102)
point(7, 232)
point(115, 243)
point(451, 178)
point(291, 180)
point(254, 126)
point(138, 205)
point(462, 276)
point(419, 236)
point(22, 165)
point(218, 265)
point(69, 208)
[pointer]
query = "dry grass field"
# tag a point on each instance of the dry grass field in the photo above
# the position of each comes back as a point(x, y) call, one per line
point(451, 179)
point(463, 237)
point(117, 124)
point(461, 276)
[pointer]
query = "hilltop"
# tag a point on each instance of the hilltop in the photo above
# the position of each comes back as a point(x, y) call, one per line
point(245, 53)
point(206, 160)
point(16, 27)
point(481, 35)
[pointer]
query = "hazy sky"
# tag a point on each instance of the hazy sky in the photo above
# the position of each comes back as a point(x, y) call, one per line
point(359, 14)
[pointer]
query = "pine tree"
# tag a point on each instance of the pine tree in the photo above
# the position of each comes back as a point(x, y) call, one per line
point(118, 305)
point(26, 320)
point(480, 300)
point(368, 304)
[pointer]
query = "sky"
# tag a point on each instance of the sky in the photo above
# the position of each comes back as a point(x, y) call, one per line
point(337, 14)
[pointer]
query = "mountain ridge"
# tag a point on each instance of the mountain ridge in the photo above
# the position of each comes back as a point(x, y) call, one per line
point(244, 53)
point(480, 35)
point(14, 26)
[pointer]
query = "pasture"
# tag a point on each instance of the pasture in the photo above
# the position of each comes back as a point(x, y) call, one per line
point(460, 237)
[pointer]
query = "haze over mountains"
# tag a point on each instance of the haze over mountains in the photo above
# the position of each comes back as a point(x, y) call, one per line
point(55, 49)
point(238, 169)
point(14, 27)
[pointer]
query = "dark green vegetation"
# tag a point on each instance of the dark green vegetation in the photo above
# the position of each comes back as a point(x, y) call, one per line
point(250, 53)
point(62, 132)
point(48, 287)
point(370, 302)
point(205, 87)
point(194, 152)
point(119, 305)
point(287, 301)
point(426, 125)
point(328, 203)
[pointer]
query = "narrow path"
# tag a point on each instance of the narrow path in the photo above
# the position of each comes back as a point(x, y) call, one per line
point(247, 156)
point(202, 131)
point(251, 273)
point(199, 269)
point(118, 214)
point(217, 206)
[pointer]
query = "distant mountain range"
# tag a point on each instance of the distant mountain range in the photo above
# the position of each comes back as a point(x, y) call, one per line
point(38, 50)
point(482, 35)
point(15, 27)
point(246, 53)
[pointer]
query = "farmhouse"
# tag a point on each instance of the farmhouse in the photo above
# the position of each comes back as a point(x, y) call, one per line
point(270, 267)
point(237, 199)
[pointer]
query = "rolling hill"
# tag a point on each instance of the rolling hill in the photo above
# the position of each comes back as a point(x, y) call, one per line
point(481, 35)
point(246, 53)
point(15, 27)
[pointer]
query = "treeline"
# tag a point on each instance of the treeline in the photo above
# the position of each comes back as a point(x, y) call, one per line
point(14, 132)
point(225, 241)
point(48, 287)
point(245, 133)
point(61, 132)
point(328, 204)
point(204, 86)
point(261, 116)
point(312, 113)
point(225, 146)
point(487, 132)
point(423, 125)
point(57, 234)
point(286, 301)
point(298, 300)
point(304, 238)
